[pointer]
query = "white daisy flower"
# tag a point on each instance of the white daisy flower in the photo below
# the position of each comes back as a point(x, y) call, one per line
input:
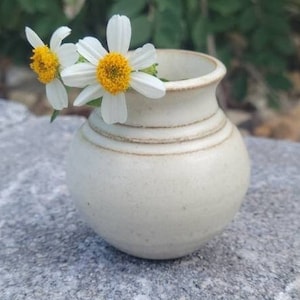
point(48, 62)
point(110, 74)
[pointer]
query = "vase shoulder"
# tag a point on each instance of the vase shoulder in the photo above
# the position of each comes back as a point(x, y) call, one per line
point(196, 136)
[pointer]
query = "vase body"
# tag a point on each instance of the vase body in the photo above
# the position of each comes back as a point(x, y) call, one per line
point(173, 175)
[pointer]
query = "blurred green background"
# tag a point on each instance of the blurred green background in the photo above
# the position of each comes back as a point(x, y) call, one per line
point(258, 40)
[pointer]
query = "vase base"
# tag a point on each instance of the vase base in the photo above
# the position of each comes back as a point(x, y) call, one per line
point(168, 252)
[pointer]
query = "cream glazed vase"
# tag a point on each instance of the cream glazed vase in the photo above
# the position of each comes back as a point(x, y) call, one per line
point(170, 178)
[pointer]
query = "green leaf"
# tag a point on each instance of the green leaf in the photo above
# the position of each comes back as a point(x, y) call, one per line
point(225, 55)
point(221, 24)
point(168, 30)
point(283, 45)
point(174, 6)
point(199, 33)
point(260, 39)
point(42, 5)
point(95, 102)
point(130, 8)
point(9, 15)
point(278, 81)
point(276, 25)
point(240, 86)
point(268, 60)
point(152, 70)
point(45, 26)
point(191, 6)
point(247, 19)
point(54, 115)
point(33, 6)
point(28, 6)
point(273, 101)
point(141, 30)
point(227, 7)
point(272, 7)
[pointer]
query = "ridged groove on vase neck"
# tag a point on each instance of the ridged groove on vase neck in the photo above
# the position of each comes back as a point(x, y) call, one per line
point(197, 136)
point(158, 135)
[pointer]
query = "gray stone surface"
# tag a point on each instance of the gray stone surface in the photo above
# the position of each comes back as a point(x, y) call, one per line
point(48, 252)
point(12, 114)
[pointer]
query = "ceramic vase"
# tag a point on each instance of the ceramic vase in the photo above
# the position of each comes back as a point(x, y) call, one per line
point(170, 178)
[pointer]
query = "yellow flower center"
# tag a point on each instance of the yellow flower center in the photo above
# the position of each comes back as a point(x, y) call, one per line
point(113, 73)
point(44, 63)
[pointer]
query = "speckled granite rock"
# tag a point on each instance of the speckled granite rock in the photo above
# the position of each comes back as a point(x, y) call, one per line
point(48, 252)
point(11, 114)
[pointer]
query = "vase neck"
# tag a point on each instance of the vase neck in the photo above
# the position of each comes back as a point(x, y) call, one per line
point(176, 108)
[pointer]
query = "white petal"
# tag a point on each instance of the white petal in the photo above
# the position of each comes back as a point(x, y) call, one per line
point(91, 49)
point(79, 75)
point(58, 35)
point(57, 94)
point(33, 38)
point(147, 85)
point(118, 33)
point(67, 54)
point(143, 57)
point(113, 108)
point(89, 93)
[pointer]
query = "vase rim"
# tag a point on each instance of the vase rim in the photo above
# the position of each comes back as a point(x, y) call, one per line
point(214, 76)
